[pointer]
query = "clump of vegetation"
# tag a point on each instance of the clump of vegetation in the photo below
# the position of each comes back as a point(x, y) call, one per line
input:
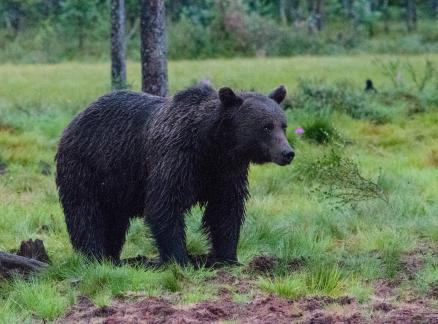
point(415, 86)
point(340, 179)
point(287, 287)
point(320, 130)
point(321, 96)
point(403, 74)
point(324, 279)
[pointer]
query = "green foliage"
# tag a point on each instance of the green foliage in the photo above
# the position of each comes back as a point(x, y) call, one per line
point(325, 279)
point(52, 31)
point(319, 96)
point(427, 278)
point(320, 130)
point(39, 298)
point(404, 76)
point(188, 39)
point(339, 178)
point(291, 287)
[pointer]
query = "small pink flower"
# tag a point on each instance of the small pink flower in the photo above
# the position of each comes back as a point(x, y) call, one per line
point(299, 131)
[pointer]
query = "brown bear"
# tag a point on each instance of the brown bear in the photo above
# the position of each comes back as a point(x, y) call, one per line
point(133, 154)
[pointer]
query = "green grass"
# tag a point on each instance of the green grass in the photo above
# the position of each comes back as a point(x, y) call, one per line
point(343, 249)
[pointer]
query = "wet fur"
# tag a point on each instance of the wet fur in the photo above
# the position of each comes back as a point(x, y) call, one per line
point(132, 154)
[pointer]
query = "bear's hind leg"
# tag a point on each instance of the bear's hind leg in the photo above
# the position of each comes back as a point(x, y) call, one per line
point(85, 225)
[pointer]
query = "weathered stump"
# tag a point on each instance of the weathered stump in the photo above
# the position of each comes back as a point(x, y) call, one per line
point(31, 257)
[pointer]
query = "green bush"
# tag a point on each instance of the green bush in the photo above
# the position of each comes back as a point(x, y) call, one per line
point(187, 40)
point(320, 130)
point(318, 96)
point(339, 179)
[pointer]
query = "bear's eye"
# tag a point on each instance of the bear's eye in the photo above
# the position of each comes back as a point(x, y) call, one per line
point(268, 128)
point(284, 126)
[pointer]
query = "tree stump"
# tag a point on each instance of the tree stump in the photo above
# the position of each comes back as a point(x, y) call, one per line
point(33, 250)
point(31, 257)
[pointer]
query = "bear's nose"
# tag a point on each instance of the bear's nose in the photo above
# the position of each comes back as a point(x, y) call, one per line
point(288, 155)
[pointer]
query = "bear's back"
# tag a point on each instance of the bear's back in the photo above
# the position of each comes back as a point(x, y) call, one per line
point(110, 124)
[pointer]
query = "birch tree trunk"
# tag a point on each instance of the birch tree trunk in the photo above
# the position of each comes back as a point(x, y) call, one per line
point(118, 67)
point(153, 47)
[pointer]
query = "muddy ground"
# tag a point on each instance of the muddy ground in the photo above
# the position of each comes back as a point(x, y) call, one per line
point(383, 307)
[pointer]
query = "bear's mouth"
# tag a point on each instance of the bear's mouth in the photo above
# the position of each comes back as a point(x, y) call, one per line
point(282, 160)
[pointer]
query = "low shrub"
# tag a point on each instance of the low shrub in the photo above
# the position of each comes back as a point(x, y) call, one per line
point(320, 130)
point(339, 179)
point(319, 96)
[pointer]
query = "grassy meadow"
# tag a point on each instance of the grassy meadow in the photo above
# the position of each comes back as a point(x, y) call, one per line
point(350, 212)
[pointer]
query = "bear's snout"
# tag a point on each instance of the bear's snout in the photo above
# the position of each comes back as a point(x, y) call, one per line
point(288, 155)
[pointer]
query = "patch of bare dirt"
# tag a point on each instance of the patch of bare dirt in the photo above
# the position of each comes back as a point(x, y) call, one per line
point(263, 309)
point(388, 307)
point(263, 264)
point(384, 288)
point(84, 311)
point(411, 263)
point(385, 306)
point(230, 283)
point(433, 291)
point(405, 313)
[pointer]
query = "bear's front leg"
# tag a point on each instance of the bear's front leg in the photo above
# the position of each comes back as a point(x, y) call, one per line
point(223, 218)
point(168, 229)
point(165, 217)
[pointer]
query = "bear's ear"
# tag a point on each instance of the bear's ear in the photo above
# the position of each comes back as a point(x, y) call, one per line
point(278, 94)
point(228, 98)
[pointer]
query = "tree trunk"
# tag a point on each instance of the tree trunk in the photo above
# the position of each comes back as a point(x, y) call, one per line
point(294, 12)
point(153, 47)
point(118, 67)
point(348, 9)
point(385, 11)
point(282, 9)
point(318, 14)
point(411, 14)
point(433, 4)
point(314, 21)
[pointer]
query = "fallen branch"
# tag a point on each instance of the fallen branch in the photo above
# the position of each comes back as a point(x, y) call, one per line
point(31, 257)
point(11, 264)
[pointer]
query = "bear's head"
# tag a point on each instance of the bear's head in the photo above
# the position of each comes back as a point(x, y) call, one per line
point(259, 125)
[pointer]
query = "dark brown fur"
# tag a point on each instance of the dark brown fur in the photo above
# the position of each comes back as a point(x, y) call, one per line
point(132, 154)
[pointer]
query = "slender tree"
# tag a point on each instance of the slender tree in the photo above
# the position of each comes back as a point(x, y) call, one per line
point(153, 47)
point(118, 67)
point(386, 16)
point(282, 11)
point(317, 12)
point(314, 21)
point(293, 11)
point(433, 5)
point(411, 14)
point(348, 6)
